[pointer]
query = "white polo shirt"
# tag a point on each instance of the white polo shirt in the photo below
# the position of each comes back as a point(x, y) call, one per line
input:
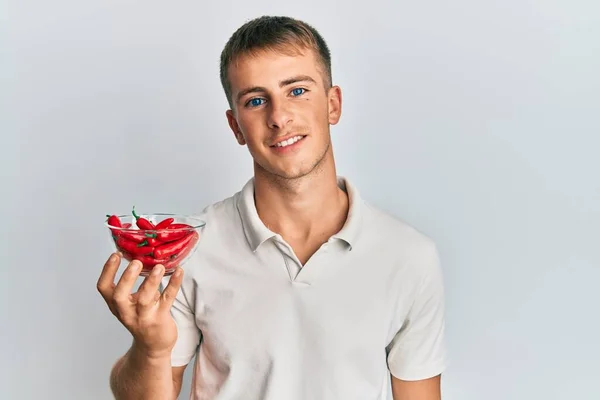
point(369, 302)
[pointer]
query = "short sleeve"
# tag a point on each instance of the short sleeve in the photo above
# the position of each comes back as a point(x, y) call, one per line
point(188, 333)
point(418, 350)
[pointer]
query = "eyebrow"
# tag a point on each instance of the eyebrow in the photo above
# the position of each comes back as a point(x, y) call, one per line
point(285, 82)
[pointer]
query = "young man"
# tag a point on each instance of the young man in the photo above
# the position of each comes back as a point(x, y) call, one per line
point(299, 289)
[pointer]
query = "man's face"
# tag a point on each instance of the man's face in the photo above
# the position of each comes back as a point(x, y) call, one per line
point(282, 111)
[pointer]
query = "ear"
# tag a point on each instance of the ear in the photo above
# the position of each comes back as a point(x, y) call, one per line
point(235, 128)
point(335, 104)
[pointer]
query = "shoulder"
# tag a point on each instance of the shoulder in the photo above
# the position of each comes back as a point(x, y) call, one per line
point(220, 211)
point(220, 233)
point(411, 254)
point(393, 230)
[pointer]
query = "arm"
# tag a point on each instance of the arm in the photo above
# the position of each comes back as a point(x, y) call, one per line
point(137, 375)
point(417, 353)
point(425, 389)
point(145, 371)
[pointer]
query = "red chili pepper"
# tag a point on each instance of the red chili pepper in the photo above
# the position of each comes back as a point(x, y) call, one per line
point(180, 231)
point(152, 242)
point(141, 222)
point(149, 241)
point(171, 264)
point(180, 226)
point(149, 261)
point(132, 247)
point(164, 223)
point(176, 260)
point(132, 236)
point(113, 220)
point(169, 249)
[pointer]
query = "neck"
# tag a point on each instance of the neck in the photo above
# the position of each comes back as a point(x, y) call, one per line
point(311, 207)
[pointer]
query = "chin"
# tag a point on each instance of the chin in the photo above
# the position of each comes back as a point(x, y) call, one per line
point(296, 172)
point(287, 174)
point(294, 175)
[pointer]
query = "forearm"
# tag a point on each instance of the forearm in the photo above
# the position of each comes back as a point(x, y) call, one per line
point(426, 389)
point(137, 375)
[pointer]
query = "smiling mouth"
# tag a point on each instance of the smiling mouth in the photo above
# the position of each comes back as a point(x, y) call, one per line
point(289, 141)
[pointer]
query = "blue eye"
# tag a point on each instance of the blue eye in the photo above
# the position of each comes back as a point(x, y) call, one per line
point(255, 102)
point(298, 91)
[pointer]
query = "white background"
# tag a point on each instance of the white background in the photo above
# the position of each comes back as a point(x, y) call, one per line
point(475, 121)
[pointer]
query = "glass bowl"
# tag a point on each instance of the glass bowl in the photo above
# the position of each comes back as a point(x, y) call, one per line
point(167, 239)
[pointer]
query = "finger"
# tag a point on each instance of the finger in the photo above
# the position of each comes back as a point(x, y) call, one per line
point(147, 293)
point(122, 292)
point(170, 292)
point(106, 281)
point(134, 297)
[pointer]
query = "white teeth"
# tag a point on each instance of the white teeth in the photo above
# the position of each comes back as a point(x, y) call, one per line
point(289, 141)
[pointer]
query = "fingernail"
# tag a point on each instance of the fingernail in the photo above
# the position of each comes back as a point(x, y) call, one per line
point(137, 266)
point(157, 270)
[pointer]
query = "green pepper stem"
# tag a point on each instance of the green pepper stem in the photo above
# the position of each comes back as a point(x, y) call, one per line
point(134, 214)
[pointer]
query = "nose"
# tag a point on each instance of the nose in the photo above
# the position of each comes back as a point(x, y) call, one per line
point(279, 115)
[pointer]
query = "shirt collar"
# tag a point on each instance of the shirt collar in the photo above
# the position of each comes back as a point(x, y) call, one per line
point(255, 230)
point(350, 230)
point(257, 233)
